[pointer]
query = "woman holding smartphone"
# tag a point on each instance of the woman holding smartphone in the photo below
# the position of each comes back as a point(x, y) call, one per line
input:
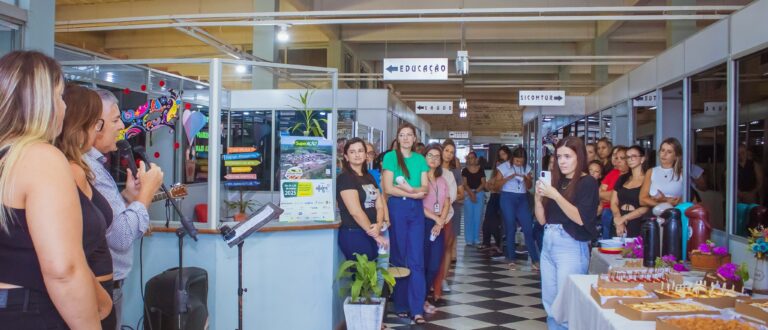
point(567, 208)
point(404, 179)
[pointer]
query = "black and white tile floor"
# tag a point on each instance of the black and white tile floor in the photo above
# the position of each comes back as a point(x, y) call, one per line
point(485, 294)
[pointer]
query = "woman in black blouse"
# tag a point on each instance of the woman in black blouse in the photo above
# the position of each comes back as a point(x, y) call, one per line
point(360, 203)
point(568, 218)
point(625, 201)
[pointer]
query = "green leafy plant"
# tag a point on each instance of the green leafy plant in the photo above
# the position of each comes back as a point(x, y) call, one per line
point(365, 281)
point(241, 205)
point(309, 124)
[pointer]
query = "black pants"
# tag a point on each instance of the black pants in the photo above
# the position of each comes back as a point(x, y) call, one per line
point(492, 221)
point(22, 309)
point(110, 322)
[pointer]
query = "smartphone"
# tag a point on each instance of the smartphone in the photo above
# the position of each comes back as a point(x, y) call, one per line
point(546, 176)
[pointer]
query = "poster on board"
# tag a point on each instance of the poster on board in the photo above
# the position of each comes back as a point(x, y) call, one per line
point(306, 186)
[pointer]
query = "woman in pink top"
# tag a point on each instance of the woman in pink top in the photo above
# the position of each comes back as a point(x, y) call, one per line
point(619, 162)
point(437, 204)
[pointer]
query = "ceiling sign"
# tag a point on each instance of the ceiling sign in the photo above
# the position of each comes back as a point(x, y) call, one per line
point(542, 98)
point(647, 100)
point(415, 69)
point(458, 134)
point(434, 108)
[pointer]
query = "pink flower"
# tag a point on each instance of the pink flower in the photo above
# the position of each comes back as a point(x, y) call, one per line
point(704, 248)
point(720, 250)
point(680, 268)
point(669, 259)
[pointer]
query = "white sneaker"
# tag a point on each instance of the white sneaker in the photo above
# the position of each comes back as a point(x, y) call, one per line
point(446, 288)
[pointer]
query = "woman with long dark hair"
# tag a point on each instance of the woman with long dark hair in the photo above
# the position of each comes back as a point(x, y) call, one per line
point(619, 162)
point(360, 204)
point(515, 178)
point(404, 178)
point(625, 199)
point(456, 193)
point(567, 209)
point(474, 186)
point(492, 217)
point(664, 183)
point(436, 205)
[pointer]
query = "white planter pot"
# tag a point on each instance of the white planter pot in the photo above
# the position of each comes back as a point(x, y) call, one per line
point(364, 317)
point(760, 277)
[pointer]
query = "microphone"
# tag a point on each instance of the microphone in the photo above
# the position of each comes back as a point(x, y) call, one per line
point(188, 226)
point(125, 147)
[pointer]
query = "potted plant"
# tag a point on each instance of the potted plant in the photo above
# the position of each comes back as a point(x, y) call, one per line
point(364, 307)
point(709, 257)
point(309, 124)
point(758, 245)
point(242, 206)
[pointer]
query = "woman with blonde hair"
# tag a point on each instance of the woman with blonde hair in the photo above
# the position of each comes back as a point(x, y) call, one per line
point(44, 276)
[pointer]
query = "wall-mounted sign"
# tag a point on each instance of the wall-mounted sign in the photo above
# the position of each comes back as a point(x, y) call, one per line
point(647, 100)
point(458, 134)
point(415, 69)
point(542, 98)
point(715, 108)
point(434, 108)
point(305, 179)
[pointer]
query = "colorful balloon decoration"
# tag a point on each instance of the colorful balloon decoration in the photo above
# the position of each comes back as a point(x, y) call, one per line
point(156, 113)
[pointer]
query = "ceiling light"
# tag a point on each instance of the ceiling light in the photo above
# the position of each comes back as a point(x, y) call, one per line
point(463, 104)
point(755, 122)
point(199, 106)
point(462, 62)
point(240, 69)
point(283, 35)
point(652, 108)
point(199, 86)
point(246, 113)
point(463, 114)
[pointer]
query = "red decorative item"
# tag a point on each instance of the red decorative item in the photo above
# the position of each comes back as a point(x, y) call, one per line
point(138, 163)
point(176, 145)
point(143, 88)
point(161, 83)
point(126, 91)
point(187, 106)
point(157, 154)
point(123, 162)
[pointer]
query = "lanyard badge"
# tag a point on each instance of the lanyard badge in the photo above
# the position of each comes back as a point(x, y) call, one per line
point(437, 207)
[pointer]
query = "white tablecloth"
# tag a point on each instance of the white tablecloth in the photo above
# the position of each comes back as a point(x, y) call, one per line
point(575, 305)
point(600, 263)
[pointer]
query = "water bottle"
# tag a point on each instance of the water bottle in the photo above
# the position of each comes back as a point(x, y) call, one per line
point(672, 243)
point(650, 232)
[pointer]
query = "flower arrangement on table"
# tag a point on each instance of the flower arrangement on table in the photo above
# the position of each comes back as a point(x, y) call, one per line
point(672, 262)
point(633, 249)
point(709, 256)
point(728, 275)
point(758, 243)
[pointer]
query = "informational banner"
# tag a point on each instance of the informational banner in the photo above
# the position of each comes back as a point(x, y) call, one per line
point(647, 100)
point(458, 134)
point(542, 98)
point(415, 69)
point(305, 179)
point(306, 200)
point(434, 108)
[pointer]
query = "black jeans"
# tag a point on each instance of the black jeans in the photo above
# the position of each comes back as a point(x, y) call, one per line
point(492, 221)
point(25, 309)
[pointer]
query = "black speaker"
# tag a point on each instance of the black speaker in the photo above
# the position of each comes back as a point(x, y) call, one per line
point(160, 300)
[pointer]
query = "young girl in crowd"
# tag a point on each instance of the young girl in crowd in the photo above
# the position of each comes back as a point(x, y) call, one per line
point(404, 178)
point(515, 178)
point(567, 209)
point(596, 169)
point(625, 200)
point(436, 205)
point(361, 205)
point(664, 183)
point(456, 193)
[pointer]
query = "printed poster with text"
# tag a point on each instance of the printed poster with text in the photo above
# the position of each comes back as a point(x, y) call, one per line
point(305, 179)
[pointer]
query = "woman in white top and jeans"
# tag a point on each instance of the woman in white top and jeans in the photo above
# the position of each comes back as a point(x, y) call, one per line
point(664, 183)
point(515, 179)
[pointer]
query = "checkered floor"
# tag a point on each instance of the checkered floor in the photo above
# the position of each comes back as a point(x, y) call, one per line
point(485, 294)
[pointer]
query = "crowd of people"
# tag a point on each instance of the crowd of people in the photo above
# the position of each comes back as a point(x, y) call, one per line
point(411, 203)
point(66, 231)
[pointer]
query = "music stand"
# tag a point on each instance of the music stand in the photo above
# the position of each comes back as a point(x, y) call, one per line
point(236, 236)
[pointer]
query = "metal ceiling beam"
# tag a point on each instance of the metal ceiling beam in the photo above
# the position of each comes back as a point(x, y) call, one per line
point(555, 63)
point(219, 44)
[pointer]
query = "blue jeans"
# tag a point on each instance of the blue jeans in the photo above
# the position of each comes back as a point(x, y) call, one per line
point(561, 256)
point(406, 239)
point(433, 252)
point(473, 213)
point(515, 210)
point(355, 240)
point(606, 219)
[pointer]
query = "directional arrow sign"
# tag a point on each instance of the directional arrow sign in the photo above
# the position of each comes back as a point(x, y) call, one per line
point(542, 98)
point(415, 69)
point(434, 108)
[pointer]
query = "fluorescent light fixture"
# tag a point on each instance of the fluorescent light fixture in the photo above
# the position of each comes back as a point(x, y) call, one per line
point(463, 104)
point(283, 35)
point(699, 130)
point(463, 114)
point(199, 86)
point(652, 108)
point(110, 76)
point(755, 122)
point(462, 62)
point(240, 69)
point(246, 113)
point(199, 106)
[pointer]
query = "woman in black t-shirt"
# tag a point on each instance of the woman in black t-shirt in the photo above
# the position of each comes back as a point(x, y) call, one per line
point(360, 203)
point(569, 219)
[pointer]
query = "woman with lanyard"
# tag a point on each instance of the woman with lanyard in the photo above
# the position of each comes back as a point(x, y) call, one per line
point(452, 175)
point(664, 183)
point(567, 208)
point(404, 178)
point(360, 204)
point(437, 207)
point(474, 181)
point(515, 179)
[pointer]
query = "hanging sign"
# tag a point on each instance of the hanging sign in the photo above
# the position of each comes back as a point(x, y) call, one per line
point(415, 69)
point(458, 134)
point(647, 100)
point(715, 108)
point(511, 137)
point(434, 108)
point(542, 98)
